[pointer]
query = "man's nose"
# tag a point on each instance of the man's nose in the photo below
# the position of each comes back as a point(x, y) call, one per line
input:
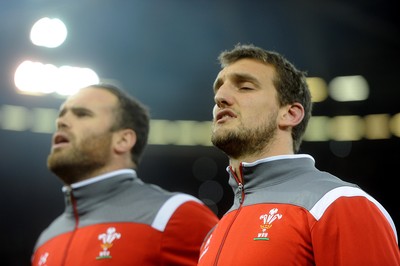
point(61, 122)
point(223, 96)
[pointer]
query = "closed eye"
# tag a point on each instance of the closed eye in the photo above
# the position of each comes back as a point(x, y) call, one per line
point(77, 111)
point(246, 88)
point(82, 112)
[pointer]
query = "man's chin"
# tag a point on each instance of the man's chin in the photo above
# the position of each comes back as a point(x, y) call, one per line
point(56, 160)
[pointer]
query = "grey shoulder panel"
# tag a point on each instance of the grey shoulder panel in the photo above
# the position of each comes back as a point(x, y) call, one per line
point(305, 190)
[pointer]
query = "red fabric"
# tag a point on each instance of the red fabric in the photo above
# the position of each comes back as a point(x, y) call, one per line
point(341, 236)
point(137, 244)
point(344, 236)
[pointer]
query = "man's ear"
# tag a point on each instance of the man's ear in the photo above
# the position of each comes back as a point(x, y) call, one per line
point(124, 140)
point(292, 116)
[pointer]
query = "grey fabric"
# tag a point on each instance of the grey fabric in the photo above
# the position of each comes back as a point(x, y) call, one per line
point(289, 180)
point(120, 198)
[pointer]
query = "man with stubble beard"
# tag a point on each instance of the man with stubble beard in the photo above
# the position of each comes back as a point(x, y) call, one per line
point(285, 211)
point(111, 217)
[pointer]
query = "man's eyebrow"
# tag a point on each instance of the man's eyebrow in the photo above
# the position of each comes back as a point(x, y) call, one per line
point(244, 77)
point(75, 110)
point(237, 78)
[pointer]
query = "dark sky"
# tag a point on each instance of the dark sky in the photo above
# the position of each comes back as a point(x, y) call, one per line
point(164, 53)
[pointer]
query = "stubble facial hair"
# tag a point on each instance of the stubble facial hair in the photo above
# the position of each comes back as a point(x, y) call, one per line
point(82, 159)
point(244, 141)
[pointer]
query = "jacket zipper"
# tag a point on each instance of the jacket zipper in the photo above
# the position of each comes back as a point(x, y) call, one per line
point(72, 201)
point(241, 196)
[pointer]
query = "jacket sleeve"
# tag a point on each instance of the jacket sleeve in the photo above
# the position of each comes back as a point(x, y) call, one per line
point(184, 233)
point(355, 230)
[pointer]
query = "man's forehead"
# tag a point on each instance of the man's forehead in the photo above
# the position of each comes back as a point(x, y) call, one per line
point(246, 67)
point(91, 98)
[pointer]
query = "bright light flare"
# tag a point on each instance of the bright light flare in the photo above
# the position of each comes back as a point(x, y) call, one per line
point(36, 78)
point(48, 32)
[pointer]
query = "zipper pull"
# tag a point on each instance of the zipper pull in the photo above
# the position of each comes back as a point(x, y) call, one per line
point(68, 194)
point(240, 192)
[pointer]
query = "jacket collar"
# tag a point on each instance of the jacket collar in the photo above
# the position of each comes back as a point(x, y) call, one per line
point(86, 195)
point(269, 171)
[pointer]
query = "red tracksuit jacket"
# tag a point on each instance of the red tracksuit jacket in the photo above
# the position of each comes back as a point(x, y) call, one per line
point(116, 219)
point(286, 212)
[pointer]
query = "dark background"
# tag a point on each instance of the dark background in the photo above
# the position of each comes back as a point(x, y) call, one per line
point(165, 53)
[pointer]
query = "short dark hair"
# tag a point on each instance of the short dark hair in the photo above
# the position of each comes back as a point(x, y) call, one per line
point(289, 82)
point(132, 114)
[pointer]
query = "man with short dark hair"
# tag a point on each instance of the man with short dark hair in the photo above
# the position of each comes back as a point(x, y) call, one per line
point(111, 217)
point(285, 211)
